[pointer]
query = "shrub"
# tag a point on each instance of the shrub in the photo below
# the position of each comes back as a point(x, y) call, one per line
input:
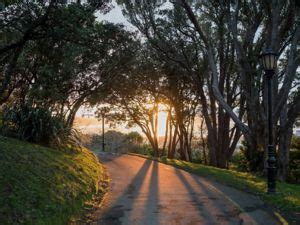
point(240, 162)
point(197, 156)
point(37, 125)
point(146, 149)
point(295, 144)
point(294, 167)
point(243, 161)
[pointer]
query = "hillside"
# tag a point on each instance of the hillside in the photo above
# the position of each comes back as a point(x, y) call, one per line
point(40, 185)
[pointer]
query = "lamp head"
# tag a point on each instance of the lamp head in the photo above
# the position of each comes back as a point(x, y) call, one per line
point(269, 60)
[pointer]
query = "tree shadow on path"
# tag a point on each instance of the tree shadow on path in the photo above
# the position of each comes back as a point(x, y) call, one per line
point(212, 206)
point(124, 204)
point(151, 210)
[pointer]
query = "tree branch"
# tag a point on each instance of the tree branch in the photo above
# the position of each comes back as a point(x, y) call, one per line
point(215, 86)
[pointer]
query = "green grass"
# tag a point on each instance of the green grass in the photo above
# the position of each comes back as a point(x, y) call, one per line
point(40, 185)
point(287, 199)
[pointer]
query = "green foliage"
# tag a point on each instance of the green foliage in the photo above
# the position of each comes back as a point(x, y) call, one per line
point(40, 185)
point(134, 138)
point(246, 161)
point(295, 143)
point(240, 162)
point(294, 167)
point(38, 125)
point(5, 3)
point(65, 58)
point(134, 142)
point(197, 156)
point(145, 149)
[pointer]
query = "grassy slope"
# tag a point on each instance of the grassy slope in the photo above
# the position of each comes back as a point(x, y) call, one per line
point(287, 199)
point(39, 185)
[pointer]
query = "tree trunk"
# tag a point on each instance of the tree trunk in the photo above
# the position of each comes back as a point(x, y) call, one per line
point(173, 142)
point(203, 142)
point(166, 134)
point(285, 135)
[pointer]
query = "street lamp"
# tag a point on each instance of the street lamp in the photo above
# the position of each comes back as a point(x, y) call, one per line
point(269, 63)
point(102, 113)
point(103, 143)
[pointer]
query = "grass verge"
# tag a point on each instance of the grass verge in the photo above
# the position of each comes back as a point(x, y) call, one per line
point(286, 201)
point(44, 186)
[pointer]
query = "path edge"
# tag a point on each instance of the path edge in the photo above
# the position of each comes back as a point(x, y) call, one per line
point(273, 212)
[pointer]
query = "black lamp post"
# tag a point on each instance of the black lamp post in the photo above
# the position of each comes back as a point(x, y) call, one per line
point(103, 143)
point(269, 63)
point(102, 113)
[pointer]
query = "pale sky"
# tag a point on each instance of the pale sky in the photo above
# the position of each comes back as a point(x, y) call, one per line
point(115, 16)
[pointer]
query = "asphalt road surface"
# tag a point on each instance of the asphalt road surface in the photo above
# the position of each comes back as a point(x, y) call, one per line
point(145, 192)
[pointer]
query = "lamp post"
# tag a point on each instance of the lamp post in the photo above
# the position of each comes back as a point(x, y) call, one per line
point(269, 63)
point(103, 143)
point(103, 112)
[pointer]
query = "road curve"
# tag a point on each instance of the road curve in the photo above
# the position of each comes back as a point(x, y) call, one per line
point(145, 192)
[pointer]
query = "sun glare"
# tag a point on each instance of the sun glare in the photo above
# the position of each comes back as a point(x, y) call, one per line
point(162, 117)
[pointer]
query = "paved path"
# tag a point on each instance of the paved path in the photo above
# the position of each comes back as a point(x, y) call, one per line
point(145, 192)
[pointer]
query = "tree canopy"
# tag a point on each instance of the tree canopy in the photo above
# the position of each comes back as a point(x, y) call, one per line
point(194, 60)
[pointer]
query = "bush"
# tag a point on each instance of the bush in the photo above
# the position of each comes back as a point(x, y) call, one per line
point(146, 149)
point(295, 144)
point(239, 159)
point(294, 170)
point(243, 161)
point(240, 162)
point(197, 156)
point(37, 125)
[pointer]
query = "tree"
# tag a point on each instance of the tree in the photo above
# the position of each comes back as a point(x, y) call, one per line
point(75, 57)
point(139, 108)
point(227, 64)
point(25, 23)
point(276, 34)
point(177, 43)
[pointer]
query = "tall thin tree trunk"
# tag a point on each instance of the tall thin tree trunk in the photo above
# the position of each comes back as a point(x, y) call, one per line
point(285, 135)
point(170, 138)
point(174, 143)
point(203, 142)
point(166, 134)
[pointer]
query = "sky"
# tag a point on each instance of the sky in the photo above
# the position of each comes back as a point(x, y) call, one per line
point(114, 16)
point(88, 124)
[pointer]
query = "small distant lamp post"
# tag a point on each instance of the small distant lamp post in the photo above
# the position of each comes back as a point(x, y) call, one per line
point(269, 63)
point(103, 112)
point(103, 143)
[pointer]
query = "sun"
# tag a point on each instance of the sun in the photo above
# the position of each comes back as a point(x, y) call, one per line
point(162, 118)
